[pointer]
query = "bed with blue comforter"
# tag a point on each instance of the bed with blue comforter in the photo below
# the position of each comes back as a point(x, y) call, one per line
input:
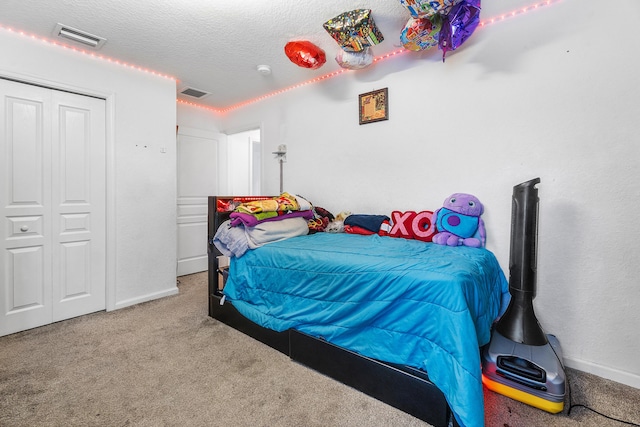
point(391, 299)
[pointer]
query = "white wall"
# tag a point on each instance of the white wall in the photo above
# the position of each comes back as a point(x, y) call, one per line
point(141, 181)
point(550, 94)
point(188, 115)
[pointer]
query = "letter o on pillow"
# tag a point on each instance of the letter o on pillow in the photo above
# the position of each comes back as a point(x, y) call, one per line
point(422, 227)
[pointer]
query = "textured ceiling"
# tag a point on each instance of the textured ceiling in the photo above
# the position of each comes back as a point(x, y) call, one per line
point(214, 45)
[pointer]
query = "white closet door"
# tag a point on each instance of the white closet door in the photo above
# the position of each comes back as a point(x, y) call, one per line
point(25, 200)
point(78, 205)
point(52, 205)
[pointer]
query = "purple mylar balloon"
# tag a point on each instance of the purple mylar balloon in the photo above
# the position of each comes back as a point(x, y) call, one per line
point(458, 25)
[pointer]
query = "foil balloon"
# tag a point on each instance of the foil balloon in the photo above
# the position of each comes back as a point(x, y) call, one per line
point(354, 60)
point(458, 25)
point(427, 8)
point(421, 33)
point(354, 30)
point(305, 54)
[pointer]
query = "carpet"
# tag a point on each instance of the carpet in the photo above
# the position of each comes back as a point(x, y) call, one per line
point(166, 363)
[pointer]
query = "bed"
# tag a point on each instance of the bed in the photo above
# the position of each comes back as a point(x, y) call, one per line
point(401, 320)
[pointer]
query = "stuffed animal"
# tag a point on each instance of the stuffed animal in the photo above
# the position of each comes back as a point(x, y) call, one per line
point(337, 224)
point(335, 227)
point(458, 222)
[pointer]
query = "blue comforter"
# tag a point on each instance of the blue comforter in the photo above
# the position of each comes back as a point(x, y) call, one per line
point(395, 300)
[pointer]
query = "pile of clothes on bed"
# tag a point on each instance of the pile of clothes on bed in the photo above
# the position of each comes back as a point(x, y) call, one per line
point(256, 223)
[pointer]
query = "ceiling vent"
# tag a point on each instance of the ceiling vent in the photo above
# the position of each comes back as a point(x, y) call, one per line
point(79, 36)
point(194, 93)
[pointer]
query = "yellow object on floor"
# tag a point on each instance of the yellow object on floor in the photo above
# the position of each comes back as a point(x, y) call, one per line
point(521, 396)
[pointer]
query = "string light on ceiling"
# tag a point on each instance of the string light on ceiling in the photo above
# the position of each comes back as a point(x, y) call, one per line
point(483, 23)
point(516, 12)
point(88, 53)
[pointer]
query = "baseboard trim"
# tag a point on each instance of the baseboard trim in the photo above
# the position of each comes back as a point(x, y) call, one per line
point(145, 298)
point(192, 265)
point(609, 373)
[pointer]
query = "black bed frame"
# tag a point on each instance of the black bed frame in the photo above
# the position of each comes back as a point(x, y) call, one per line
point(402, 387)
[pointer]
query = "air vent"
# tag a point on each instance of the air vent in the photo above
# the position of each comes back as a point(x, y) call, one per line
point(194, 93)
point(79, 36)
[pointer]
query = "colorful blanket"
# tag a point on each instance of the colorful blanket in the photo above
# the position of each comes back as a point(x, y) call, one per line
point(251, 220)
point(283, 203)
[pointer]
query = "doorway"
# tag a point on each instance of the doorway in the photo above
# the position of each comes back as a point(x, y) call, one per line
point(211, 164)
point(197, 157)
point(244, 165)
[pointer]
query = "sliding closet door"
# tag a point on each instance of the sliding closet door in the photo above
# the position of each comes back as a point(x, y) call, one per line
point(52, 206)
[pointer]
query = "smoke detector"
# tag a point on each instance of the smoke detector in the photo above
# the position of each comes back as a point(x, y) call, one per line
point(265, 70)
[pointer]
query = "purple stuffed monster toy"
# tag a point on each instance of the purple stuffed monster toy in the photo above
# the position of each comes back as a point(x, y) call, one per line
point(458, 222)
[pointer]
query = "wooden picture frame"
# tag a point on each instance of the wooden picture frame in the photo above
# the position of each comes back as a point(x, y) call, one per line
point(373, 106)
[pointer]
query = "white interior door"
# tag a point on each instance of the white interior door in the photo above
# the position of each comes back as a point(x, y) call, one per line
point(52, 205)
point(197, 179)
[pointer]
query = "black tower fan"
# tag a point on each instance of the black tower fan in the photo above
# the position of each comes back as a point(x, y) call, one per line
point(521, 361)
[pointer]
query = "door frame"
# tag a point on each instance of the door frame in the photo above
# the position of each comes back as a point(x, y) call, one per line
point(224, 158)
point(110, 168)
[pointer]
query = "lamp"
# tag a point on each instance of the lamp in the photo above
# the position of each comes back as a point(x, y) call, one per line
point(281, 155)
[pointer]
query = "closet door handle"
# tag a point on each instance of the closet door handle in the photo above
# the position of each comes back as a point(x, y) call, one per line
point(24, 228)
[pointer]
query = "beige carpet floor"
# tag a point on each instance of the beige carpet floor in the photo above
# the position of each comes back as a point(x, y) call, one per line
point(166, 363)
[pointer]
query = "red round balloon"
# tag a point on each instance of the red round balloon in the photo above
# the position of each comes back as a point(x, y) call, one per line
point(305, 54)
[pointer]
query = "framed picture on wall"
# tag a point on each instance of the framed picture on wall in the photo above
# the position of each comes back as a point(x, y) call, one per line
point(374, 106)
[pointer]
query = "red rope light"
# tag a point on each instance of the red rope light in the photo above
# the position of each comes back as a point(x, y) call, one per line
point(482, 24)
